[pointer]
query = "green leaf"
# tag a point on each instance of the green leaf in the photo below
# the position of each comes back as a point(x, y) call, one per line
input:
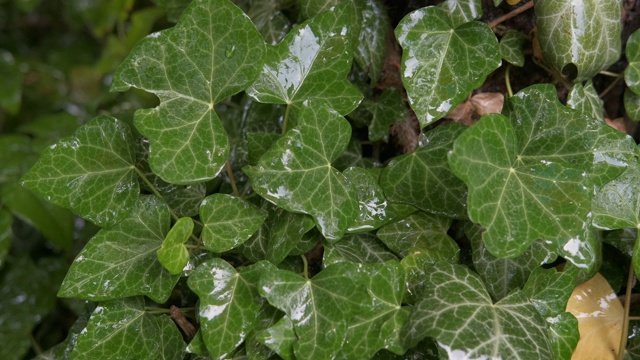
point(579, 38)
point(462, 11)
point(386, 110)
point(511, 47)
point(270, 21)
point(228, 221)
point(6, 235)
point(417, 265)
point(371, 47)
point(613, 152)
point(229, 303)
point(48, 129)
point(586, 100)
point(258, 144)
point(11, 85)
point(174, 8)
point(91, 173)
point(16, 155)
point(280, 338)
point(423, 178)
point(319, 308)
point(459, 314)
point(527, 174)
point(501, 276)
point(121, 329)
point(352, 156)
point(632, 72)
point(632, 104)
point(121, 261)
point(443, 62)
point(296, 172)
point(363, 248)
point(191, 70)
point(420, 230)
point(311, 62)
point(173, 255)
point(617, 205)
point(185, 201)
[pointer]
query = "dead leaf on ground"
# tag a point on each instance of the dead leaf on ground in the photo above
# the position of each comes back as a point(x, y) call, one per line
point(470, 110)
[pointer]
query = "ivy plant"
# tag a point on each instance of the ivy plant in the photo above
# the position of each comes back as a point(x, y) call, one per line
point(312, 180)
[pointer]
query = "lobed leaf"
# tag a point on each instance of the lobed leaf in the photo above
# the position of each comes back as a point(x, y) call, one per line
point(173, 255)
point(511, 47)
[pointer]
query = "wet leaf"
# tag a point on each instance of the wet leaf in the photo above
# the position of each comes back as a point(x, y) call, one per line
point(527, 173)
point(173, 255)
point(359, 248)
point(121, 329)
point(312, 62)
point(121, 261)
point(91, 173)
point(270, 21)
point(632, 72)
point(459, 314)
point(229, 303)
point(617, 205)
point(280, 338)
point(600, 316)
point(443, 62)
point(586, 100)
point(228, 221)
point(462, 11)
point(385, 111)
point(371, 46)
point(296, 172)
point(185, 201)
point(579, 38)
point(632, 105)
point(423, 178)
point(191, 70)
point(511, 47)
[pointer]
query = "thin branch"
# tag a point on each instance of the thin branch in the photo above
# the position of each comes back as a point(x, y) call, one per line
point(611, 86)
point(625, 320)
point(232, 179)
point(511, 14)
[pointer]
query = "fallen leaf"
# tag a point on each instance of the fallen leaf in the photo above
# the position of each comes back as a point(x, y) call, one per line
point(470, 110)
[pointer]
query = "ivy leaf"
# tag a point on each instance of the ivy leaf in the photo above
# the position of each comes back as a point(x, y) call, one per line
point(258, 144)
point(185, 201)
point(191, 70)
point(501, 276)
point(363, 248)
point(632, 72)
point(371, 46)
point(443, 62)
point(420, 230)
point(280, 338)
point(228, 221)
point(527, 175)
point(632, 104)
point(91, 173)
point(11, 86)
point(459, 314)
point(617, 205)
point(296, 172)
point(173, 255)
point(121, 261)
point(270, 21)
point(121, 329)
point(318, 308)
point(311, 62)
point(462, 11)
point(586, 100)
point(511, 47)
point(579, 38)
point(17, 155)
point(417, 265)
point(613, 152)
point(424, 179)
point(229, 303)
point(386, 110)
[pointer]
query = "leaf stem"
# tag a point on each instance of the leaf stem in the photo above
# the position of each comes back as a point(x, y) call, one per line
point(509, 15)
point(154, 191)
point(625, 320)
point(34, 344)
point(305, 264)
point(156, 310)
point(286, 119)
point(609, 73)
point(507, 80)
point(611, 86)
point(232, 179)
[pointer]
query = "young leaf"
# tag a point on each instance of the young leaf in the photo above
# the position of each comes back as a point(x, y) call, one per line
point(229, 303)
point(121, 261)
point(280, 338)
point(296, 172)
point(173, 255)
point(228, 221)
point(511, 47)
point(459, 314)
point(91, 173)
point(423, 178)
point(443, 62)
point(121, 329)
point(319, 308)
point(312, 62)
point(581, 37)
point(363, 248)
point(527, 175)
point(191, 68)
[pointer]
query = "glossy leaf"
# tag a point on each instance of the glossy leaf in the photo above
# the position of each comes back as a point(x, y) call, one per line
point(352, 156)
point(617, 205)
point(191, 70)
point(228, 221)
point(417, 265)
point(270, 21)
point(371, 46)
point(258, 144)
point(459, 314)
point(121, 261)
point(185, 201)
point(579, 38)
point(173, 255)
point(527, 174)
point(280, 338)
point(229, 303)
point(420, 230)
point(121, 329)
point(91, 173)
point(632, 105)
point(632, 72)
point(363, 248)
point(423, 178)
point(319, 308)
point(586, 100)
point(296, 172)
point(511, 47)
point(443, 62)
point(385, 111)
point(613, 152)
point(462, 11)
point(312, 62)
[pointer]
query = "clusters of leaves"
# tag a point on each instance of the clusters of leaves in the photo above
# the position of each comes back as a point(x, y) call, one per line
point(244, 200)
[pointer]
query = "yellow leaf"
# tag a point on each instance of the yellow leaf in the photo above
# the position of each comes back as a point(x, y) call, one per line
point(600, 315)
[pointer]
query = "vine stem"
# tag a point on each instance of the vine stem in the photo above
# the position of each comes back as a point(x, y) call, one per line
point(286, 119)
point(507, 80)
point(511, 14)
point(305, 264)
point(232, 179)
point(625, 320)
